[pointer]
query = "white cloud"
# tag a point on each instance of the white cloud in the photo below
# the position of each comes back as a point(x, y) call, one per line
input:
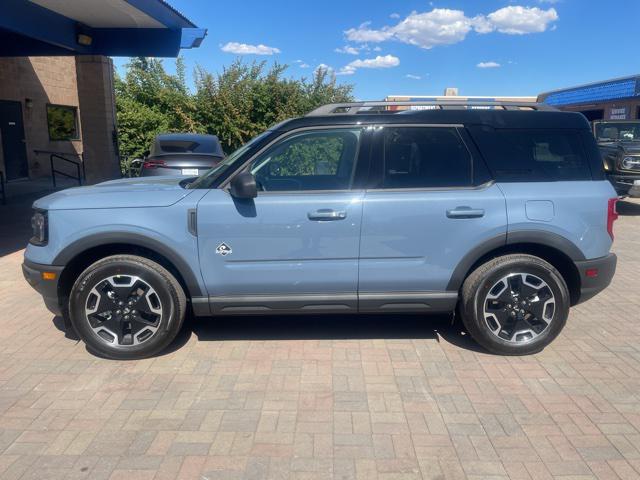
point(364, 34)
point(488, 65)
point(440, 26)
point(246, 49)
point(443, 26)
point(349, 50)
point(301, 63)
point(394, 15)
point(324, 67)
point(516, 20)
point(413, 77)
point(387, 61)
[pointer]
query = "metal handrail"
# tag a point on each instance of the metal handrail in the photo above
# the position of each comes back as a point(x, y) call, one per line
point(78, 177)
point(349, 108)
point(3, 194)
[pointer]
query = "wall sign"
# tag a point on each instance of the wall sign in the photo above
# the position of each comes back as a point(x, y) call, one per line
point(618, 113)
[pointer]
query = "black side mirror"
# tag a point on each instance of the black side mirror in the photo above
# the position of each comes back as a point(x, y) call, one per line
point(244, 186)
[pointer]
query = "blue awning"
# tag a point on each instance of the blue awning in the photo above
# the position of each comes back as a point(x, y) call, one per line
point(149, 28)
point(608, 90)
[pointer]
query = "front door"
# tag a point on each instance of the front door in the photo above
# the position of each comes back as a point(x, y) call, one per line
point(429, 207)
point(13, 142)
point(295, 246)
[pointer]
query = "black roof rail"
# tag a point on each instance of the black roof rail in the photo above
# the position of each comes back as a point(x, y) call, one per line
point(350, 108)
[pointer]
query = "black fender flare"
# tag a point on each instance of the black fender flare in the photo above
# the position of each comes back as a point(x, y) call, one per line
point(83, 244)
point(532, 237)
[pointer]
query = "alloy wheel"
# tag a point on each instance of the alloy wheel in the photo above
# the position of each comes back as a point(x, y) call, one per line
point(123, 310)
point(519, 307)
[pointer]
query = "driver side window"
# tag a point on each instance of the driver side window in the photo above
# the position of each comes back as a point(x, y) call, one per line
point(312, 160)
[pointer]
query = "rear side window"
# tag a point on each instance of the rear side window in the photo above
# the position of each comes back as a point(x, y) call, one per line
point(533, 155)
point(425, 157)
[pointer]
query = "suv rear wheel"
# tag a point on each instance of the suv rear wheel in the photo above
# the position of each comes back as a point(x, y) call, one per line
point(515, 304)
point(126, 307)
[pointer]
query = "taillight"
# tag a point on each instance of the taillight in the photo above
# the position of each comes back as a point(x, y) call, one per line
point(153, 164)
point(612, 215)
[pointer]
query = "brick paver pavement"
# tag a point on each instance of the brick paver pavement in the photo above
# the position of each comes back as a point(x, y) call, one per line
point(326, 397)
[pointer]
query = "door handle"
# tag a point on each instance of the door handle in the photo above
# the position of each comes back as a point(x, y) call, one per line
point(465, 212)
point(325, 214)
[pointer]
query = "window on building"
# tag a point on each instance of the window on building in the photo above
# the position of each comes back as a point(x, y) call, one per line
point(62, 122)
point(425, 157)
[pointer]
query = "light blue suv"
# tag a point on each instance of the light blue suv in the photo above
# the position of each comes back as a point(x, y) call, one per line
point(500, 211)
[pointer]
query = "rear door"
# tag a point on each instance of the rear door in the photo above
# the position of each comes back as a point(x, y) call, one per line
point(295, 246)
point(430, 202)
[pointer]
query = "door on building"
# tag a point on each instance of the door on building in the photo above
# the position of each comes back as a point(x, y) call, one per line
point(13, 141)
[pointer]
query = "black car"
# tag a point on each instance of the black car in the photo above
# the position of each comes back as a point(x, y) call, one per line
point(619, 142)
point(188, 154)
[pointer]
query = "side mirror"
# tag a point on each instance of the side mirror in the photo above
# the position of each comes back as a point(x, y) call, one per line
point(244, 186)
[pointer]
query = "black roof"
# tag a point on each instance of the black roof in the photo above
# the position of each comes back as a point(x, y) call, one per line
point(495, 118)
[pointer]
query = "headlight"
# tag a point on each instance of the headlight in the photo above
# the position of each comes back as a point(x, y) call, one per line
point(631, 163)
point(40, 227)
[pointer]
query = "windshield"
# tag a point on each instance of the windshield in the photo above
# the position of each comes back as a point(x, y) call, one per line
point(206, 179)
point(618, 131)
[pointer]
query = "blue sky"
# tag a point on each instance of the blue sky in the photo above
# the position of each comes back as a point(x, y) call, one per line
point(420, 47)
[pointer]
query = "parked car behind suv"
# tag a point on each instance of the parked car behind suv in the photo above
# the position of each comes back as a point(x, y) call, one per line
point(619, 142)
point(188, 154)
point(500, 211)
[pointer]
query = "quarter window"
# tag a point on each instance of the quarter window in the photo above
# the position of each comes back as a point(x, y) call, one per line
point(533, 155)
point(313, 160)
point(425, 157)
point(62, 122)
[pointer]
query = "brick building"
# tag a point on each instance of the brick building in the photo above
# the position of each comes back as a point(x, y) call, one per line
point(56, 79)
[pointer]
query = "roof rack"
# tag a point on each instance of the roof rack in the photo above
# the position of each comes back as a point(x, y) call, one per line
point(351, 108)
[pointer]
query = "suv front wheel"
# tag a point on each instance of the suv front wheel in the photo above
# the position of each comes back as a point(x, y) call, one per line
point(515, 304)
point(126, 307)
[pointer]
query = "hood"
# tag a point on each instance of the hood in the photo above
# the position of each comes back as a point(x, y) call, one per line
point(124, 193)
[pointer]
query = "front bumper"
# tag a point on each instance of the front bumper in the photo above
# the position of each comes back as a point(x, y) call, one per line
point(47, 288)
point(591, 285)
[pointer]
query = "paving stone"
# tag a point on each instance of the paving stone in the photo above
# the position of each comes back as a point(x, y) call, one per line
point(414, 402)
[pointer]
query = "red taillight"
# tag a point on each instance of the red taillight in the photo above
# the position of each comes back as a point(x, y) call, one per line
point(153, 164)
point(612, 215)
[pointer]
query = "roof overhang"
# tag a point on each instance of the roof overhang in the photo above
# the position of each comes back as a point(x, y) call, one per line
point(605, 91)
point(149, 28)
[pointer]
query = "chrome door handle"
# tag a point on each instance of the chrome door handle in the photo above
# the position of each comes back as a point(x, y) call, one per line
point(325, 214)
point(465, 212)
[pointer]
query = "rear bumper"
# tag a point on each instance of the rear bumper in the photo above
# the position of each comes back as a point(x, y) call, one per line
point(592, 285)
point(47, 288)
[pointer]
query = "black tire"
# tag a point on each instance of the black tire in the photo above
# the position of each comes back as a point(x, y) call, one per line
point(168, 298)
point(477, 286)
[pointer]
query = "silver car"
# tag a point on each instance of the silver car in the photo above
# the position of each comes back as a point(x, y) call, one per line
point(187, 154)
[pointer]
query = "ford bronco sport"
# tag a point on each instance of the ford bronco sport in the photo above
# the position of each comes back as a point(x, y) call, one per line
point(501, 211)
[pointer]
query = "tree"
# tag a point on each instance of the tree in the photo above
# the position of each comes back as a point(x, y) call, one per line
point(236, 104)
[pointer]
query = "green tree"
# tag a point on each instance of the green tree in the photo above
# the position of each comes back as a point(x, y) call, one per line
point(236, 104)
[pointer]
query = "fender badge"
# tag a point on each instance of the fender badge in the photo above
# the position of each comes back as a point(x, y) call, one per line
point(224, 249)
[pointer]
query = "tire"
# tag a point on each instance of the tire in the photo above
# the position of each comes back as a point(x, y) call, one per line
point(126, 307)
point(499, 320)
